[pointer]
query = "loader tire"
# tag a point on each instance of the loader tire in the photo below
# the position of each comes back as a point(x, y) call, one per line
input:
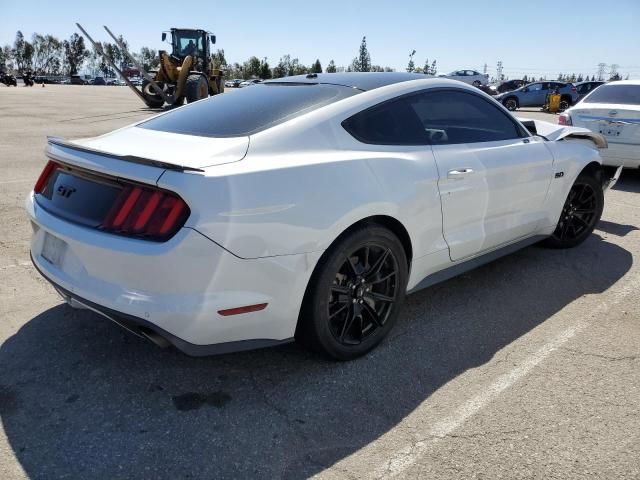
point(196, 88)
point(150, 96)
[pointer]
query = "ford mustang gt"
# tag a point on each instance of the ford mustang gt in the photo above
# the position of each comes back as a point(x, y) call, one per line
point(304, 208)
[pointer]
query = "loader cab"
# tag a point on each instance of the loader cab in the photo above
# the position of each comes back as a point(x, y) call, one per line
point(191, 42)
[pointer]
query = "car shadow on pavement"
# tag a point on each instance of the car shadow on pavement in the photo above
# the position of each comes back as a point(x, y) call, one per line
point(629, 181)
point(80, 398)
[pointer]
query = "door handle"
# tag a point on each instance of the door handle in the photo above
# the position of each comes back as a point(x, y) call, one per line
point(459, 173)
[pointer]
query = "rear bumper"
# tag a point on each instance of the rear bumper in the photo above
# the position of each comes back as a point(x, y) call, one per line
point(175, 288)
point(150, 331)
point(625, 154)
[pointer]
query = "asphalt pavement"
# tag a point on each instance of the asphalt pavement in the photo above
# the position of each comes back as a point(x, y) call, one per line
point(525, 368)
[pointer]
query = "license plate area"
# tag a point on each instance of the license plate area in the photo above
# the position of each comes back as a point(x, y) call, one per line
point(53, 249)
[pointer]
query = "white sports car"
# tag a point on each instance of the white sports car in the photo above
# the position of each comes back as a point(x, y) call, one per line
point(612, 109)
point(305, 207)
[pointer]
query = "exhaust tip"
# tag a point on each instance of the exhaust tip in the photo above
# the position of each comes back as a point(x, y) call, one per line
point(154, 337)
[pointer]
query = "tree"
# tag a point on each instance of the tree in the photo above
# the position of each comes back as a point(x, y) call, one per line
point(427, 68)
point(6, 59)
point(252, 68)
point(316, 67)
point(411, 67)
point(579, 79)
point(22, 52)
point(46, 52)
point(593, 78)
point(149, 60)
point(331, 68)
point(362, 63)
point(560, 77)
point(218, 59)
point(265, 70)
point(434, 69)
point(75, 53)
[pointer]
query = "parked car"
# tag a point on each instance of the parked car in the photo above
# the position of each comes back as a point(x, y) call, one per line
point(612, 109)
point(112, 81)
point(233, 83)
point(248, 83)
point(510, 85)
point(471, 77)
point(77, 80)
point(303, 208)
point(585, 88)
point(486, 89)
point(99, 81)
point(534, 95)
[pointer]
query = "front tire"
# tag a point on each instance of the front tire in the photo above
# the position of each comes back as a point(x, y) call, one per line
point(511, 104)
point(355, 294)
point(196, 88)
point(581, 213)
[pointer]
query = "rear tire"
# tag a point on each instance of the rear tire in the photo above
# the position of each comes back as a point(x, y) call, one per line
point(565, 103)
point(196, 88)
point(355, 294)
point(580, 215)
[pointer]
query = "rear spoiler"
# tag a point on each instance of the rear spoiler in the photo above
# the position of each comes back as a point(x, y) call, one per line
point(554, 133)
point(60, 142)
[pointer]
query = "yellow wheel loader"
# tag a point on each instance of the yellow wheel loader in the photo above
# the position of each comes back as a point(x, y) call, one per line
point(185, 73)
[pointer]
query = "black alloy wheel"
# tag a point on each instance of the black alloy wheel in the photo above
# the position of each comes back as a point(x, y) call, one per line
point(355, 293)
point(580, 214)
point(363, 294)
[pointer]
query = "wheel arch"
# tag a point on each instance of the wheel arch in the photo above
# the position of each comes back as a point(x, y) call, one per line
point(386, 221)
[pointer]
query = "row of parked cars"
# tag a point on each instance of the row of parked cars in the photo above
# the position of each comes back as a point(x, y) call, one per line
point(240, 83)
point(515, 94)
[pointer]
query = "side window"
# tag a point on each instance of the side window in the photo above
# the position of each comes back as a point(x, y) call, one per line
point(535, 87)
point(391, 123)
point(451, 117)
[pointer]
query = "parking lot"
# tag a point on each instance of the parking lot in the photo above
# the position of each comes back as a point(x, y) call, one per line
point(528, 367)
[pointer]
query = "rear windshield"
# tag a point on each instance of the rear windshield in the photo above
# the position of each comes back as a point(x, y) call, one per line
point(249, 110)
point(622, 94)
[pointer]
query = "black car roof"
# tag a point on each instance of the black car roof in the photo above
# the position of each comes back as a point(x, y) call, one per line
point(359, 80)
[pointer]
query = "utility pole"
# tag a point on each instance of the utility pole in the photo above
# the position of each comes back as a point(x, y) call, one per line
point(484, 70)
point(613, 70)
point(601, 68)
point(499, 70)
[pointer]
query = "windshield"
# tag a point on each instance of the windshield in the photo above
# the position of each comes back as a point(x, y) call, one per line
point(249, 110)
point(612, 93)
point(187, 43)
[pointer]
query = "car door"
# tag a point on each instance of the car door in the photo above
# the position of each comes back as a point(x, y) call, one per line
point(493, 176)
point(533, 96)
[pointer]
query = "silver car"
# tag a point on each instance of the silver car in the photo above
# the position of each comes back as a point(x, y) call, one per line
point(471, 77)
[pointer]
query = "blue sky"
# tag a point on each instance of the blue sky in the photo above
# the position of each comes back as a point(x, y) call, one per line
point(529, 36)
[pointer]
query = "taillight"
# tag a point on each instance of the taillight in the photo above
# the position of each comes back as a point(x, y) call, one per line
point(44, 177)
point(564, 119)
point(143, 211)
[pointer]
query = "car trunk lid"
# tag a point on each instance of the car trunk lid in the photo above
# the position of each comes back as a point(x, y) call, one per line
point(184, 151)
point(618, 123)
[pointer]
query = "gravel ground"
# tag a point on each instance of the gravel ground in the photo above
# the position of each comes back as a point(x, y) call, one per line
point(525, 368)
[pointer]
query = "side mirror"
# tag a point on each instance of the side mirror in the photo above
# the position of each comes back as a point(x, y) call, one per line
point(164, 36)
point(213, 39)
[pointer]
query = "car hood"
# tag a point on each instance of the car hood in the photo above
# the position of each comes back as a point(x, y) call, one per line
point(182, 150)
